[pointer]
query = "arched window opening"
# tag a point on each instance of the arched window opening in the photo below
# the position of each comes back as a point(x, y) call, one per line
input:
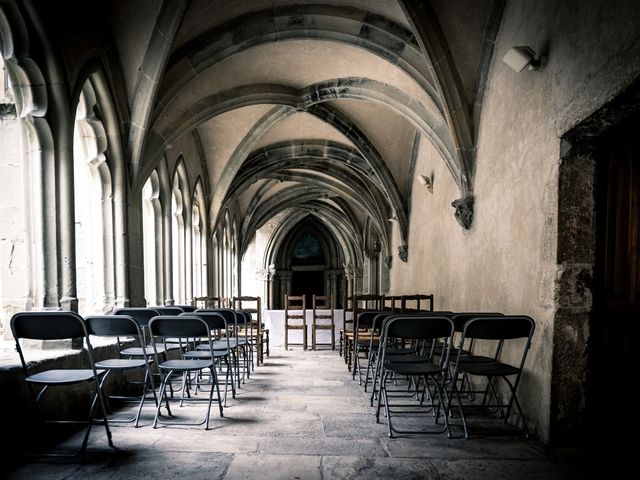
point(198, 252)
point(234, 264)
point(215, 267)
point(178, 242)
point(93, 209)
point(152, 240)
point(226, 266)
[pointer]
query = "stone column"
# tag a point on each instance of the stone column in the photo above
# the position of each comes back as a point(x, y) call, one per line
point(263, 276)
point(188, 255)
point(169, 298)
point(40, 192)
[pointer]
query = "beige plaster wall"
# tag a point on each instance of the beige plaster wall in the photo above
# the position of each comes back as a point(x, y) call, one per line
point(507, 260)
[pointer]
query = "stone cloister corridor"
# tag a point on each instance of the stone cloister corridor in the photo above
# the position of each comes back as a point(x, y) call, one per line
point(485, 152)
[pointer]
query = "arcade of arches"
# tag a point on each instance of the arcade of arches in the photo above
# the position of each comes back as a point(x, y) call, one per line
point(156, 151)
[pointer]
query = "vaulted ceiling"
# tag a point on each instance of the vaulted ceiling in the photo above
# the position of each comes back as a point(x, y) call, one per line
point(306, 108)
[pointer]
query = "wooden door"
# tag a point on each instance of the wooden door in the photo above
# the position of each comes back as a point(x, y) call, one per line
point(616, 313)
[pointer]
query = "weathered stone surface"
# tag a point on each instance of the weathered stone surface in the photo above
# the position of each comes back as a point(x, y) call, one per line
point(499, 469)
point(274, 467)
point(349, 468)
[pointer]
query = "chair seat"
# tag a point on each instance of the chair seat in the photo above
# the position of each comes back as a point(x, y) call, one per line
point(406, 368)
point(476, 359)
point(138, 352)
point(408, 357)
point(61, 376)
point(121, 364)
point(492, 369)
point(186, 365)
point(202, 353)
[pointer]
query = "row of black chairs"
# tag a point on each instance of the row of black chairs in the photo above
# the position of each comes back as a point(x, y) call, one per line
point(359, 303)
point(184, 350)
point(428, 363)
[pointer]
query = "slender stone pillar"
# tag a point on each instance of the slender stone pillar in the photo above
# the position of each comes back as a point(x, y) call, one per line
point(168, 257)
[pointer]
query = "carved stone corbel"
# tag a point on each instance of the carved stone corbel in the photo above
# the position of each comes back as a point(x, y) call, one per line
point(403, 253)
point(464, 211)
point(374, 251)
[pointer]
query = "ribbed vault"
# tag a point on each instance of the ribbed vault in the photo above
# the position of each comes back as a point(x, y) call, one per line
point(312, 109)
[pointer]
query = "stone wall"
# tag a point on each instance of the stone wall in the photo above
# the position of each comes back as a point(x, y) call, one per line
point(507, 260)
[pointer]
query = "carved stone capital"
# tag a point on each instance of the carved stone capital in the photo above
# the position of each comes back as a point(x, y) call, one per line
point(263, 274)
point(403, 253)
point(464, 211)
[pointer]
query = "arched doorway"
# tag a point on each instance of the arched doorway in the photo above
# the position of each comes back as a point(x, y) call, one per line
point(307, 265)
point(308, 261)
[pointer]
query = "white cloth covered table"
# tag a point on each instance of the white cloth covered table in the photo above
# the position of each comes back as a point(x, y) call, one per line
point(274, 321)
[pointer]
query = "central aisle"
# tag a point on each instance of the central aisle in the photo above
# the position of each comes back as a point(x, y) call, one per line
point(299, 416)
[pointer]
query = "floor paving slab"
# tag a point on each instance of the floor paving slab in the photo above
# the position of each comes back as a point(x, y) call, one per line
point(300, 416)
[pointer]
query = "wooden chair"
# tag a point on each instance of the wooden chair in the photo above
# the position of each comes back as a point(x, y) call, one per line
point(321, 305)
point(361, 303)
point(416, 303)
point(258, 334)
point(295, 318)
point(211, 302)
point(347, 324)
point(392, 303)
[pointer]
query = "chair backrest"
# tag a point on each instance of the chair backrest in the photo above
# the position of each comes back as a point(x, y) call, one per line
point(113, 326)
point(322, 302)
point(211, 302)
point(417, 302)
point(507, 327)
point(48, 325)
point(392, 303)
point(181, 326)
point(139, 314)
point(419, 327)
point(366, 319)
point(186, 308)
point(214, 319)
point(171, 310)
point(227, 313)
point(244, 317)
point(249, 304)
point(295, 302)
point(367, 302)
point(460, 319)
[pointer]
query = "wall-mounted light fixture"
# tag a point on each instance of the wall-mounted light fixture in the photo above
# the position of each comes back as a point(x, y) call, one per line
point(427, 182)
point(520, 57)
point(393, 219)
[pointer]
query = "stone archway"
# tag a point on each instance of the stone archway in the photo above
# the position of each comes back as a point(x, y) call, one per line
point(308, 260)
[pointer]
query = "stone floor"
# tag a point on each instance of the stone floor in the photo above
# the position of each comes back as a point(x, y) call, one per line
point(300, 416)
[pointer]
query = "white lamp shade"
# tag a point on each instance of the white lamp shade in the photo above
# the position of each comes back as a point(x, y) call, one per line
point(519, 57)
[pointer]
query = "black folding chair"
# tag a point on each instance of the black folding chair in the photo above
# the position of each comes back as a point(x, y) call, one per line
point(499, 330)
point(425, 376)
point(187, 328)
point(123, 328)
point(59, 326)
point(221, 348)
point(365, 337)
